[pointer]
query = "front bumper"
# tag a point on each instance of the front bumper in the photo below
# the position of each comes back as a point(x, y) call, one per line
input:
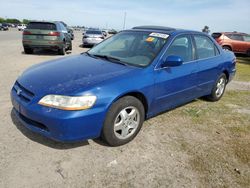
point(232, 75)
point(59, 125)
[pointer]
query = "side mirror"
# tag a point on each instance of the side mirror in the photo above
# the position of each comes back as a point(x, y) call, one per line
point(172, 61)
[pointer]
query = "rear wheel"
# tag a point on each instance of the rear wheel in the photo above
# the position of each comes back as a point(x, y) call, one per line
point(28, 50)
point(218, 89)
point(227, 48)
point(248, 52)
point(62, 50)
point(123, 121)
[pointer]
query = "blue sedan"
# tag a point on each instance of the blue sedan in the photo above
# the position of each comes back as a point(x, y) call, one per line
point(111, 89)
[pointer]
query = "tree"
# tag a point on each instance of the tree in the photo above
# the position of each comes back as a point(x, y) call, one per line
point(12, 20)
point(2, 20)
point(206, 29)
point(25, 21)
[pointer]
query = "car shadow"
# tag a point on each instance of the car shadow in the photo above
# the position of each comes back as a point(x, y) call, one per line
point(43, 140)
point(85, 46)
point(45, 52)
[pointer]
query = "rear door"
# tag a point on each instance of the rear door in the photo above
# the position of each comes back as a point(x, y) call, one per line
point(65, 32)
point(176, 85)
point(246, 39)
point(237, 42)
point(208, 61)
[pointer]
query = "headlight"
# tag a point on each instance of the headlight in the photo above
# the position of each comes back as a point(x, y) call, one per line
point(68, 102)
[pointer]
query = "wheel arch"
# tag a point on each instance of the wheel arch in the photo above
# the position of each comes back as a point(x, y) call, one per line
point(226, 73)
point(228, 45)
point(137, 94)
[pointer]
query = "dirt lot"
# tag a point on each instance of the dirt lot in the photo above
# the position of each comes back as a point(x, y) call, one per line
point(201, 144)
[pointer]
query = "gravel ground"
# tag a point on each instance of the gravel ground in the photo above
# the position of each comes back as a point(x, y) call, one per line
point(158, 157)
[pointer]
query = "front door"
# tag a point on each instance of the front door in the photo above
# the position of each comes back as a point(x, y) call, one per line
point(176, 85)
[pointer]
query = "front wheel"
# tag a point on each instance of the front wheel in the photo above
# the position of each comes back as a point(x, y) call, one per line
point(218, 88)
point(123, 121)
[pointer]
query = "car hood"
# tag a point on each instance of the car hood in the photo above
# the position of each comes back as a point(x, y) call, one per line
point(68, 76)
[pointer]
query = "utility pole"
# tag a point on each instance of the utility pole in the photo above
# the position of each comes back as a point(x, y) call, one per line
point(124, 21)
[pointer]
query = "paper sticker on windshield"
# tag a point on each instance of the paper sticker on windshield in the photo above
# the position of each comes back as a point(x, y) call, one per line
point(150, 39)
point(160, 35)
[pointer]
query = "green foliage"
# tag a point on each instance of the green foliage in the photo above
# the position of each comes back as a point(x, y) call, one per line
point(2, 20)
point(25, 21)
point(10, 20)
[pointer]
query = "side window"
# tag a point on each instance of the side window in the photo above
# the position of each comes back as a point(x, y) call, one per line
point(236, 37)
point(59, 27)
point(246, 38)
point(62, 27)
point(181, 46)
point(205, 48)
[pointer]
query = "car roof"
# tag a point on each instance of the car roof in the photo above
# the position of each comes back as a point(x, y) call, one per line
point(44, 21)
point(234, 32)
point(162, 29)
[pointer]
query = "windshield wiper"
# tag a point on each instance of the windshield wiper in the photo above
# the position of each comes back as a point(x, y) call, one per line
point(88, 54)
point(109, 58)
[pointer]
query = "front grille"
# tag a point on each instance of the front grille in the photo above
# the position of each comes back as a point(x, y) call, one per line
point(33, 123)
point(23, 93)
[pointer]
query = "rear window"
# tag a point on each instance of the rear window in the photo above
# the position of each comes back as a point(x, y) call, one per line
point(246, 38)
point(216, 35)
point(41, 25)
point(235, 37)
point(94, 32)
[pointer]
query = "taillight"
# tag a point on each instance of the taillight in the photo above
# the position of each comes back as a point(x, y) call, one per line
point(27, 33)
point(54, 34)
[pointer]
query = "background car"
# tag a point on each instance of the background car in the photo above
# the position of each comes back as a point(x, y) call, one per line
point(70, 30)
point(4, 26)
point(234, 41)
point(105, 34)
point(112, 31)
point(46, 35)
point(21, 27)
point(92, 37)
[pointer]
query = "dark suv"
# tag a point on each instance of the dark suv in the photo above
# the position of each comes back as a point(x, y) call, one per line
point(234, 41)
point(46, 35)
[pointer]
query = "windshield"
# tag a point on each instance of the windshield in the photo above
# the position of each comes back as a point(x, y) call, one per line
point(94, 32)
point(134, 48)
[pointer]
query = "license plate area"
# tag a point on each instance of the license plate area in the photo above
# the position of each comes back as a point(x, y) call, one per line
point(39, 37)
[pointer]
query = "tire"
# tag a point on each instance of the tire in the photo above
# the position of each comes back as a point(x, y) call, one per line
point(248, 52)
point(62, 50)
point(28, 50)
point(123, 121)
point(70, 46)
point(227, 48)
point(218, 88)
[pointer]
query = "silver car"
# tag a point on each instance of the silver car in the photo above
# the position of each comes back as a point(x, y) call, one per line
point(92, 37)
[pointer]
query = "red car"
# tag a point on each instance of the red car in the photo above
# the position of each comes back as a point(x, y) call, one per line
point(234, 41)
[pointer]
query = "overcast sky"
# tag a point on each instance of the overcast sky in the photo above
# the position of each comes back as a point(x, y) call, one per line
point(219, 15)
